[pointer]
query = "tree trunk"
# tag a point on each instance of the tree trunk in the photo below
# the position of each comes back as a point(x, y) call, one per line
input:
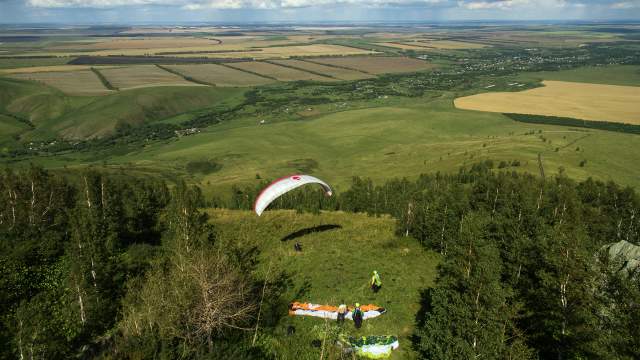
point(86, 190)
point(33, 204)
point(82, 314)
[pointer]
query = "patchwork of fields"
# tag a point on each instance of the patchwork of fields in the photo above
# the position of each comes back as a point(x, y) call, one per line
point(142, 76)
point(336, 72)
point(81, 82)
point(261, 51)
point(432, 44)
point(565, 99)
point(280, 73)
point(342, 137)
point(219, 75)
point(246, 73)
point(377, 64)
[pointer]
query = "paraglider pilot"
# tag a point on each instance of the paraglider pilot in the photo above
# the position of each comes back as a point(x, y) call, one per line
point(357, 316)
point(342, 312)
point(375, 283)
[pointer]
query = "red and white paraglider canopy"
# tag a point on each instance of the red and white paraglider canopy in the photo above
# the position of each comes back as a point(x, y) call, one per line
point(284, 185)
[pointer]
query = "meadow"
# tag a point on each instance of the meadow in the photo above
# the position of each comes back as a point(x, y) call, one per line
point(58, 116)
point(334, 266)
point(398, 138)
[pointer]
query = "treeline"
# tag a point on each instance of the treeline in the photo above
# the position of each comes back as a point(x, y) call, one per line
point(124, 60)
point(117, 267)
point(523, 274)
point(564, 121)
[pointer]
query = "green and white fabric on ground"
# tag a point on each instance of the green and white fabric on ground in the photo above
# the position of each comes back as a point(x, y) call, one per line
point(374, 347)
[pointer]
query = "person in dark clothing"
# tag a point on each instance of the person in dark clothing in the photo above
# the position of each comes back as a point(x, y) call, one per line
point(297, 247)
point(357, 315)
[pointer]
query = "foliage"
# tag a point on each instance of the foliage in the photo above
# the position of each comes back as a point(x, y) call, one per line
point(563, 121)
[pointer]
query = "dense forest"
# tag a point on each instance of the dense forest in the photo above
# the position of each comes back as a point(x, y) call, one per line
point(113, 266)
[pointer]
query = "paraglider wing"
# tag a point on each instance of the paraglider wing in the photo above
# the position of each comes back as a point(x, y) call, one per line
point(284, 185)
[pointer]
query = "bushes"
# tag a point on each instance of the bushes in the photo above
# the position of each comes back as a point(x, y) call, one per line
point(564, 121)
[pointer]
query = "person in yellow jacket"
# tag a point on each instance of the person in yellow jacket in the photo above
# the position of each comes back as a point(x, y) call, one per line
point(342, 313)
point(375, 283)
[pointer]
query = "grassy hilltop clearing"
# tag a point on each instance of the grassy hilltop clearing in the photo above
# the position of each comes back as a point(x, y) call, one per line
point(339, 252)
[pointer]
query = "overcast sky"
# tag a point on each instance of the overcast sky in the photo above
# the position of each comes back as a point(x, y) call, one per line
point(234, 11)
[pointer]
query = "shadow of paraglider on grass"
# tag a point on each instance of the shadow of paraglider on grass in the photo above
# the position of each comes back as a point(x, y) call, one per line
point(310, 230)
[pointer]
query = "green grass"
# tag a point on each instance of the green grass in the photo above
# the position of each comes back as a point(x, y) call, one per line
point(335, 265)
point(396, 141)
point(612, 75)
point(56, 114)
point(10, 128)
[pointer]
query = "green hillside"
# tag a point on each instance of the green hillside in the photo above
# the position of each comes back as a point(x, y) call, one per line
point(402, 140)
point(335, 265)
point(57, 115)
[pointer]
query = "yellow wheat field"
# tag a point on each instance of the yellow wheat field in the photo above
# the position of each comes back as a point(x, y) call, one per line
point(565, 99)
point(227, 49)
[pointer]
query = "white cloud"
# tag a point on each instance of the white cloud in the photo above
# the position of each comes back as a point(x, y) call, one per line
point(194, 5)
point(227, 4)
point(485, 5)
point(625, 5)
point(96, 3)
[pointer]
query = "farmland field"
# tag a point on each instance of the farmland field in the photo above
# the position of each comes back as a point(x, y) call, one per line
point(377, 64)
point(338, 73)
point(278, 72)
point(220, 75)
point(141, 43)
point(51, 68)
point(447, 44)
point(143, 75)
point(565, 99)
point(10, 63)
point(288, 51)
point(239, 50)
point(425, 45)
point(83, 82)
point(611, 75)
